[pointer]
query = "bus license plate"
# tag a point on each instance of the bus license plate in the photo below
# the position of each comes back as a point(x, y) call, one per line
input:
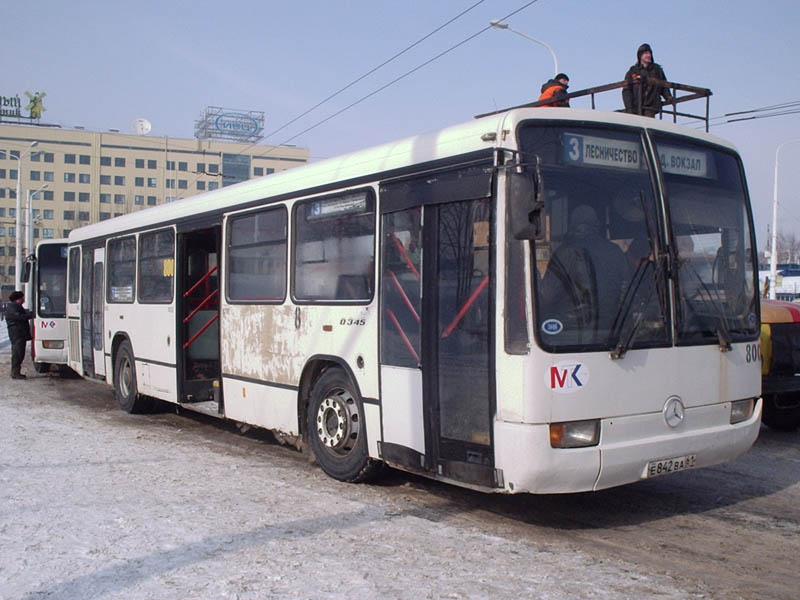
point(670, 465)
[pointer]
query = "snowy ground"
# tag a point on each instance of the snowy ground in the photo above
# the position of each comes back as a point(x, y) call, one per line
point(98, 504)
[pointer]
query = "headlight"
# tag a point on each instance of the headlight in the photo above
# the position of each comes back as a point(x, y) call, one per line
point(741, 410)
point(53, 344)
point(575, 434)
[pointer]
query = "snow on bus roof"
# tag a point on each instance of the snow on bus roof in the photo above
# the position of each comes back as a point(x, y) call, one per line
point(424, 148)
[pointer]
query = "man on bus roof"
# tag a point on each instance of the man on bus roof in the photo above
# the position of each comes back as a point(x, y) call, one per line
point(556, 89)
point(19, 331)
point(639, 93)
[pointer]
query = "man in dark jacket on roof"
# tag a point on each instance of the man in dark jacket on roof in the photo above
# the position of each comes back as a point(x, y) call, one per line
point(19, 331)
point(555, 89)
point(640, 92)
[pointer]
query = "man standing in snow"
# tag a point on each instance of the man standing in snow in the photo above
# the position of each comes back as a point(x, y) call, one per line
point(19, 331)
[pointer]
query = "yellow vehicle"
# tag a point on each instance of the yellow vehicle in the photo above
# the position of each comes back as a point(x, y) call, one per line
point(780, 367)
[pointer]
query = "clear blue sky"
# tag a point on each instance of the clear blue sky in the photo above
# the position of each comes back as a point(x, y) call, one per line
point(105, 63)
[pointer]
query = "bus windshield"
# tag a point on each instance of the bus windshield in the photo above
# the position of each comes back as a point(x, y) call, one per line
point(707, 201)
point(51, 281)
point(596, 280)
point(601, 261)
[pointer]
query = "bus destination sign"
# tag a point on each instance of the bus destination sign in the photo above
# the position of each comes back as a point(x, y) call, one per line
point(602, 152)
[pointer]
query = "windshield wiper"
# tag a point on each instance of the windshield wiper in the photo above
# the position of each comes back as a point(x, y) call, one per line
point(623, 344)
point(723, 332)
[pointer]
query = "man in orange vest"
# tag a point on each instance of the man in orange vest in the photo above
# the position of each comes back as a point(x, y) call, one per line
point(556, 89)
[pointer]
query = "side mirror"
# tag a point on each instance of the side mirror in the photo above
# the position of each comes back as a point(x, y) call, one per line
point(27, 267)
point(526, 201)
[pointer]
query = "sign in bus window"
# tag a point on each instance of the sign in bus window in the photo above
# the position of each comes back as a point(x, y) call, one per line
point(257, 256)
point(335, 248)
point(121, 269)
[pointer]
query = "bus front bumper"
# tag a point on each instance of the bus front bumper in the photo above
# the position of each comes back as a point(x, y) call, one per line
point(631, 448)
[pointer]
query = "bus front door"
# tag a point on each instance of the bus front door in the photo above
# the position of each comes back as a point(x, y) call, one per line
point(436, 340)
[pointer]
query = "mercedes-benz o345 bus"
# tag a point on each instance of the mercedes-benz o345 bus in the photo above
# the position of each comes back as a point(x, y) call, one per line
point(542, 300)
point(50, 305)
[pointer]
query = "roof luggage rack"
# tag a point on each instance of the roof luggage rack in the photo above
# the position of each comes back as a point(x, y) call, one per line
point(667, 108)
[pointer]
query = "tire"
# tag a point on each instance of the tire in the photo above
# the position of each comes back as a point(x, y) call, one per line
point(125, 389)
point(40, 367)
point(779, 418)
point(336, 430)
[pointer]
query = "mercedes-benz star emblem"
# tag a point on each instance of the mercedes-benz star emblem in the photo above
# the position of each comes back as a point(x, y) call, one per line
point(673, 411)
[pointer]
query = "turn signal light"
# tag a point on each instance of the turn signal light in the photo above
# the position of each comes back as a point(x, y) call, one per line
point(741, 410)
point(575, 434)
point(53, 344)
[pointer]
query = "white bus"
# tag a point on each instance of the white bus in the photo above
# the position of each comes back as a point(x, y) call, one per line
point(49, 304)
point(541, 300)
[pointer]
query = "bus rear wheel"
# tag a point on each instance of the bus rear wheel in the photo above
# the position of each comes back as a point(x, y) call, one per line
point(336, 429)
point(125, 389)
point(40, 367)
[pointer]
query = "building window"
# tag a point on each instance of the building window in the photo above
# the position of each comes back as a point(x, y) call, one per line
point(105, 198)
point(12, 270)
point(170, 165)
point(85, 159)
point(47, 214)
point(84, 178)
point(65, 232)
point(69, 215)
point(12, 212)
point(36, 176)
point(258, 171)
point(84, 197)
point(2, 232)
point(270, 171)
point(12, 232)
point(35, 233)
point(69, 196)
point(121, 269)
point(201, 167)
point(151, 164)
point(139, 163)
point(69, 159)
point(213, 185)
point(69, 177)
point(83, 215)
point(182, 166)
point(183, 184)
point(2, 173)
point(12, 173)
point(119, 198)
point(119, 162)
point(152, 182)
point(213, 168)
point(201, 185)
point(170, 184)
point(2, 211)
point(105, 161)
point(2, 192)
point(156, 266)
point(105, 179)
point(170, 199)
point(116, 214)
point(138, 199)
point(105, 215)
point(49, 194)
point(36, 156)
point(49, 176)
point(119, 179)
point(151, 201)
point(138, 181)
point(47, 232)
point(49, 157)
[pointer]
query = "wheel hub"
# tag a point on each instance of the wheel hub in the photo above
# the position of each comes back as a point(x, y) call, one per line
point(337, 422)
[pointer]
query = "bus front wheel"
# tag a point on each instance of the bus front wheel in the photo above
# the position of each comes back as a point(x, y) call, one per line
point(125, 389)
point(336, 429)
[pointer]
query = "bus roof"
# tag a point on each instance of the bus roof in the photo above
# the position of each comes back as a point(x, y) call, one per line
point(393, 157)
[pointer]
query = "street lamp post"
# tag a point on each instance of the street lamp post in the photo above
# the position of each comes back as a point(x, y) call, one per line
point(773, 259)
point(501, 25)
point(18, 261)
point(29, 240)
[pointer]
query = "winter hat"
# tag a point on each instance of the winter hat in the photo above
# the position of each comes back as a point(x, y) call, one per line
point(561, 76)
point(642, 49)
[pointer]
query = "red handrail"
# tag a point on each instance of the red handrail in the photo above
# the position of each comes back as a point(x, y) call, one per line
point(199, 333)
point(404, 254)
point(200, 306)
point(403, 335)
point(199, 281)
point(403, 294)
point(466, 307)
